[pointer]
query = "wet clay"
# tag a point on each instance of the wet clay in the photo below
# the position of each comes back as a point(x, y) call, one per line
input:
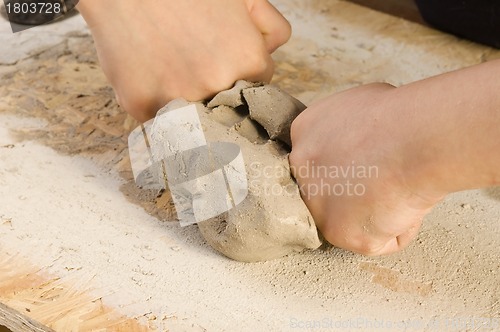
point(272, 221)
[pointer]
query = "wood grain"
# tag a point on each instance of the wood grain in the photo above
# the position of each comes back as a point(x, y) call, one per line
point(31, 300)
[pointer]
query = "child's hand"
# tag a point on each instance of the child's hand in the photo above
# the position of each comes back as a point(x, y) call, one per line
point(350, 162)
point(155, 51)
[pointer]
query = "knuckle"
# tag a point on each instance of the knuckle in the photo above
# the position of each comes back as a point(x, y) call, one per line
point(139, 106)
point(295, 158)
point(295, 129)
point(361, 245)
point(301, 154)
point(258, 64)
point(369, 248)
point(286, 32)
point(258, 67)
point(279, 36)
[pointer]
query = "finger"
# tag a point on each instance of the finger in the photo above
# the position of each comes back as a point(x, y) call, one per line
point(265, 74)
point(401, 241)
point(405, 239)
point(274, 27)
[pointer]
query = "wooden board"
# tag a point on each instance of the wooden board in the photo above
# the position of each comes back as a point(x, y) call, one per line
point(63, 86)
point(30, 296)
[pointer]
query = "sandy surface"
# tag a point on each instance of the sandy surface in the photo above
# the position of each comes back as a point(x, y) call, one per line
point(69, 207)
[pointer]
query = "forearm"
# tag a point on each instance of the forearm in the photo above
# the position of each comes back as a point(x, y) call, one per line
point(454, 140)
point(425, 140)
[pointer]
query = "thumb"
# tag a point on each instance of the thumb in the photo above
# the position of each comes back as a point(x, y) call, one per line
point(274, 27)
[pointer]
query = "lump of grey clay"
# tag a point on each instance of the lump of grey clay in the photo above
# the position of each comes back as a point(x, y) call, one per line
point(268, 105)
point(226, 115)
point(273, 109)
point(231, 97)
point(272, 221)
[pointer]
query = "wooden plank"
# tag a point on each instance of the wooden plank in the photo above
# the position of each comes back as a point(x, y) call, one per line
point(15, 321)
point(68, 82)
point(32, 300)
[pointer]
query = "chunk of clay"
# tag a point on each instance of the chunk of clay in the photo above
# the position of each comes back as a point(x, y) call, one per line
point(231, 97)
point(273, 109)
point(272, 221)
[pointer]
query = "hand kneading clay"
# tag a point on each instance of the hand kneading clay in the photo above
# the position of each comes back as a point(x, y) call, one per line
point(272, 221)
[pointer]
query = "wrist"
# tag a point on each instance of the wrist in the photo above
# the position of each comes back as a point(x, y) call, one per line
point(449, 137)
point(407, 150)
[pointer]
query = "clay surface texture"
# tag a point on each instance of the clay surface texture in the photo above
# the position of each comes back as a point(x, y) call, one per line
point(272, 221)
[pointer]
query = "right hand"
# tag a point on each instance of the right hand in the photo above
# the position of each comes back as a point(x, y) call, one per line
point(156, 51)
point(350, 159)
